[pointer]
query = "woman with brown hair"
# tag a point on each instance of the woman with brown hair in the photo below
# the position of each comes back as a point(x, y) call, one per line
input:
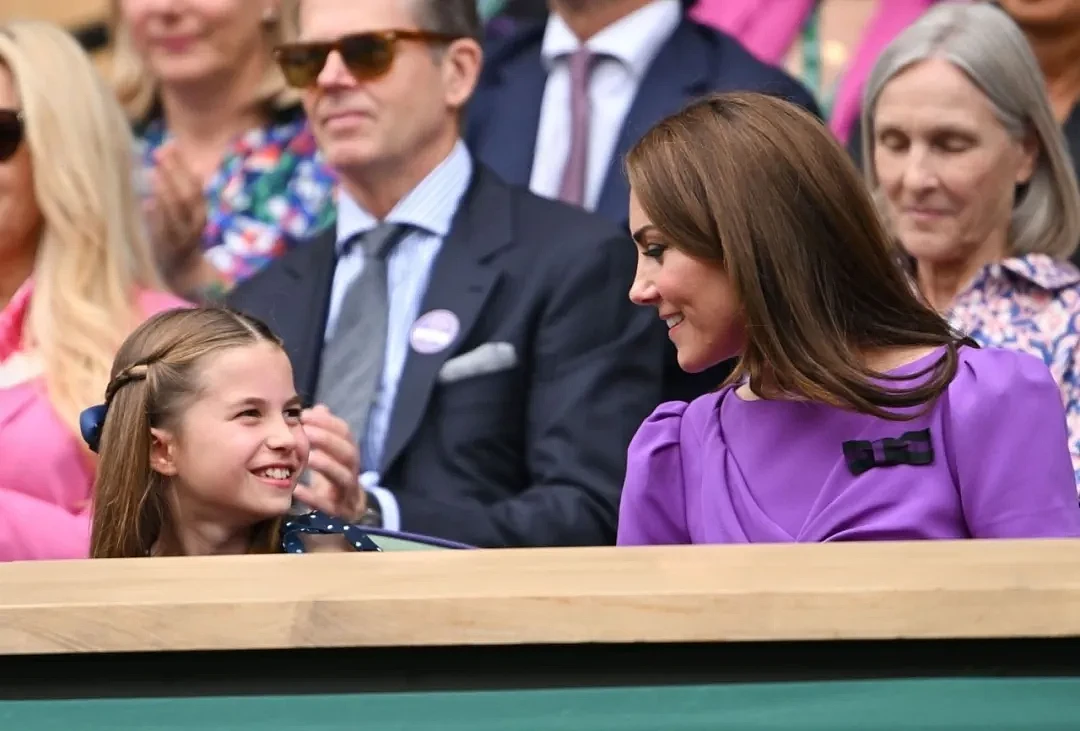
point(855, 412)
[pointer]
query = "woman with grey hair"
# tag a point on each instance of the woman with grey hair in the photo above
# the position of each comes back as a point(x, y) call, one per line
point(964, 154)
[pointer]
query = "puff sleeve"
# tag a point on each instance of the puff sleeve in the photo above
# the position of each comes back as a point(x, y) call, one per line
point(1010, 448)
point(652, 510)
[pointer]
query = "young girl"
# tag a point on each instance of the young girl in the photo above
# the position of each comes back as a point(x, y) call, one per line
point(202, 446)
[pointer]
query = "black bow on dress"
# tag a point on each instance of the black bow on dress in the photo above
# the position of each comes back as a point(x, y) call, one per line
point(911, 448)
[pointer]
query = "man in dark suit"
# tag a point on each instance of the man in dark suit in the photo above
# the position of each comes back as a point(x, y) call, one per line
point(648, 61)
point(510, 368)
point(561, 101)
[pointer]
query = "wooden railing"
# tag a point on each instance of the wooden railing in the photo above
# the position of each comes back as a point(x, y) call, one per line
point(923, 590)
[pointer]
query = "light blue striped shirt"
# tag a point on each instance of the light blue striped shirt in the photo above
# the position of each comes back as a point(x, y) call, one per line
point(429, 210)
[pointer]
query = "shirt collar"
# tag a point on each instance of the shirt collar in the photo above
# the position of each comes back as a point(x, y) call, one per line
point(430, 206)
point(1043, 271)
point(13, 318)
point(634, 40)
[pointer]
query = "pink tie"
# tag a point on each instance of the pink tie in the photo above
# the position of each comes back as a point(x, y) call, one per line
point(572, 189)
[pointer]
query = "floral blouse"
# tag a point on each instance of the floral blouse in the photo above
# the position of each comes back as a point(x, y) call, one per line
point(272, 188)
point(1031, 304)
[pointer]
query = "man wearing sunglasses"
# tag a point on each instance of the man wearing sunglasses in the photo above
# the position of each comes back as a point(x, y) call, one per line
point(477, 339)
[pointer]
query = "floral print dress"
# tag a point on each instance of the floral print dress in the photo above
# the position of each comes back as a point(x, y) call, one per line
point(1031, 304)
point(271, 190)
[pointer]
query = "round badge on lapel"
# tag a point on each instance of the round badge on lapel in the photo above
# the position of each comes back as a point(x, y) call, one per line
point(434, 331)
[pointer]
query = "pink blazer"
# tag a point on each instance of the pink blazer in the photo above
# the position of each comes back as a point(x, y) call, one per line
point(769, 28)
point(45, 474)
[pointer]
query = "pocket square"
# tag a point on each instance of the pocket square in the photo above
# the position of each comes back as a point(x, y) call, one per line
point(487, 358)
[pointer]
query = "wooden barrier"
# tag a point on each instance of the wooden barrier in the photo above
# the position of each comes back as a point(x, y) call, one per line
point(560, 596)
point(896, 637)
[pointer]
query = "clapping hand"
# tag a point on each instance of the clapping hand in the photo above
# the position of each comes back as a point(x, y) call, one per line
point(334, 465)
point(176, 212)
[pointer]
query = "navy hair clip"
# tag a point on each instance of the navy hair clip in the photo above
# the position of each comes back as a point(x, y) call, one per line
point(90, 422)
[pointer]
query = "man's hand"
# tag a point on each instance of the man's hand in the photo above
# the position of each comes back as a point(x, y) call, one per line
point(335, 467)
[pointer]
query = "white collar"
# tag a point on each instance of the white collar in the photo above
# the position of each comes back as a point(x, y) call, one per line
point(634, 40)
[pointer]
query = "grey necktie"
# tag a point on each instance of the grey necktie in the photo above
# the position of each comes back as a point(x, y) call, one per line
point(352, 360)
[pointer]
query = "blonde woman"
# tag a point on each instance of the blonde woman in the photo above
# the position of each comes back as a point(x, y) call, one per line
point(229, 169)
point(76, 276)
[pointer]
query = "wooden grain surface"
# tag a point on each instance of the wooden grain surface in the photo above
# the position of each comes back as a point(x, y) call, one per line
point(608, 595)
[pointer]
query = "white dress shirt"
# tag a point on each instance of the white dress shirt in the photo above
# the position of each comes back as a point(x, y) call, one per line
point(626, 49)
point(429, 210)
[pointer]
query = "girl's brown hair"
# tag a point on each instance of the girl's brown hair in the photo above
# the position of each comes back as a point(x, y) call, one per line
point(155, 376)
point(759, 186)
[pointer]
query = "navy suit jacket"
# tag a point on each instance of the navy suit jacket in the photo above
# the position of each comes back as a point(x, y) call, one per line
point(530, 456)
point(504, 116)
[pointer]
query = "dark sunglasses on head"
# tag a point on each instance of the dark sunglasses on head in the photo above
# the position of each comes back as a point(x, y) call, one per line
point(11, 133)
point(367, 56)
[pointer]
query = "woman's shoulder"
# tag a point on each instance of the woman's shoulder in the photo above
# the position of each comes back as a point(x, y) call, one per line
point(995, 383)
point(677, 423)
point(276, 173)
point(152, 301)
point(663, 459)
point(660, 431)
point(289, 130)
point(993, 371)
point(670, 415)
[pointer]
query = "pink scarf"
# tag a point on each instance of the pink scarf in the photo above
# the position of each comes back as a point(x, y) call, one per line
point(768, 28)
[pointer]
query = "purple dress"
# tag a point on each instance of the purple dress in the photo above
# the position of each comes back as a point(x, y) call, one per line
point(994, 463)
